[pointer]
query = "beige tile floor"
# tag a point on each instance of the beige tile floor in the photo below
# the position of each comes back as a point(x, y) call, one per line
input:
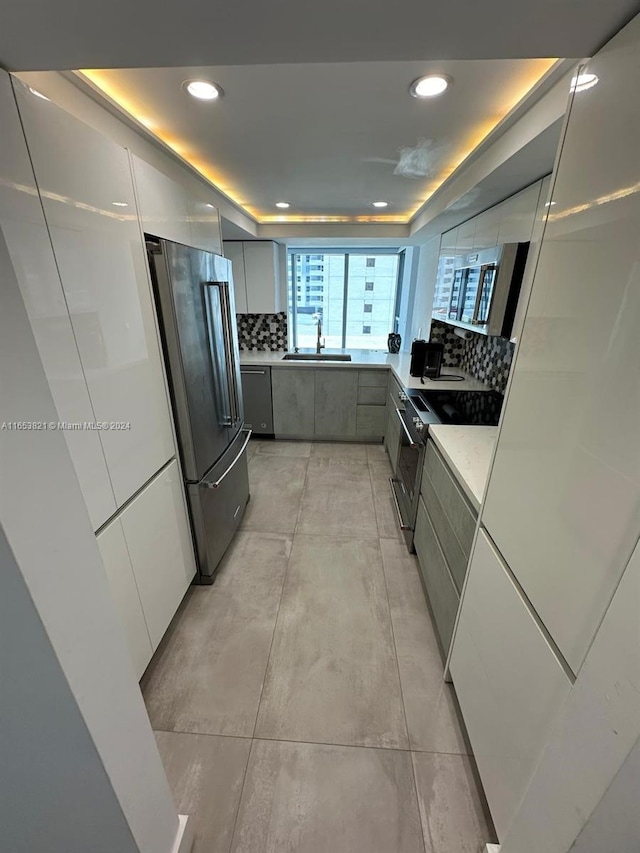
point(298, 703)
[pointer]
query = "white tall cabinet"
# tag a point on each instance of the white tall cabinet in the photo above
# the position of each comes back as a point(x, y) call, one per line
point(25, 232)
point(561, 516)
point(87, 194)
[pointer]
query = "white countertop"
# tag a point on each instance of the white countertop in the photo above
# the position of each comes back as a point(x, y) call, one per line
point(467, 450)
point(399, 364)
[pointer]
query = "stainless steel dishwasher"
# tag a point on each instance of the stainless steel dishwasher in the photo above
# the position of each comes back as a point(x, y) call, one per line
point(256, 393)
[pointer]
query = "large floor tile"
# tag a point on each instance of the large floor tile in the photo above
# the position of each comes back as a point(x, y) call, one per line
point(429, 702)
point(376, 453)
point(303, 798)
point(452, 813)
point(207, 676)
point(332, 674)
point(276, 484)
point(205, 774)
point(332, 506)
point(301, 449)
point(339, 450)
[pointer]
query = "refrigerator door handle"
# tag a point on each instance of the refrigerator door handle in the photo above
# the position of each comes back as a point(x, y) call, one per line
point(211, 318)
point(216, 484)
point(232, 389)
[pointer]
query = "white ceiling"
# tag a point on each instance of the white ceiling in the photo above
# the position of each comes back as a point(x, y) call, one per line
point(325, 137)
point(66, 34)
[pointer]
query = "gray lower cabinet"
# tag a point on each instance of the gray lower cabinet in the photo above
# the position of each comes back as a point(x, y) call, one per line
point(256, 395)
point(336, 398)
point(293, 394)
point(444, 532)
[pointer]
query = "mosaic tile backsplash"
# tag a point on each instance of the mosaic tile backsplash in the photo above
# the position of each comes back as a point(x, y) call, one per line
point(266, 332)
point(487, 358)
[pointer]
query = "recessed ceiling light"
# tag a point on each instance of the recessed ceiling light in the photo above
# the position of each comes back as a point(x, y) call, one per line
point(204, 90)
point(550, 203)
point(429, 86)
point(379, 204)
point(283, 204)
point(38, 94)
point(119, 204)
point(583, 82)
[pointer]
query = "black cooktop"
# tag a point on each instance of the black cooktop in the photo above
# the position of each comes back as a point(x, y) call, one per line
point(458, 407)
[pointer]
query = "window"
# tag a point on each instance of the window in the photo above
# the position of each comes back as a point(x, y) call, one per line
point(341, 298)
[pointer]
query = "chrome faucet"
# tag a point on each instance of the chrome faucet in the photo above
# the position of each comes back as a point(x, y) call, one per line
point(319, 346)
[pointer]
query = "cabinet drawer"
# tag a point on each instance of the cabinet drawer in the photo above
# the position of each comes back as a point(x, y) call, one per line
point(509, 692)
point(372, 395)
point(373, 378)
point(370, 421)
point(454, 504)
point(440, 588)
point(456, 558)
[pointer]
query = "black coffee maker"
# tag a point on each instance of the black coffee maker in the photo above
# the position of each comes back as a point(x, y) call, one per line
point(426, 359)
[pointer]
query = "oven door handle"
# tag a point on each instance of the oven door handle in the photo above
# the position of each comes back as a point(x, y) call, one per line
point(401, 523)
point(412, 443)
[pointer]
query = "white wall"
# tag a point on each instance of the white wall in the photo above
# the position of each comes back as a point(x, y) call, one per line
point(80, 767)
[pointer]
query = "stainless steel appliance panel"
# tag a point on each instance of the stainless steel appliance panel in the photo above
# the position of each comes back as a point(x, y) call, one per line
point(198, 335)
point(258, 406)
point(217, 505)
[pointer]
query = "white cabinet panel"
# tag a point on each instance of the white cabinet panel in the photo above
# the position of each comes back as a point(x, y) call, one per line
point(465, 237)
point(518, 214)
point(508, 680)
point(163, 203)
point(488, 228)
point(103, 268)
point(25, 232)
point(204, 222)
point(235, 252)
point(122, 584)
point(158, 538)
point(563, 502)
point(261, 266)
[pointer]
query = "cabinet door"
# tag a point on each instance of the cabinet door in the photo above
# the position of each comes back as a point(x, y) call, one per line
point(162, 203)
point(509, 683)
point(105, 277)
point(204, 222)
point(518, 214)
point(466, 237)
point(122, 584)
point(25, 233)
point(261, 271)
point(563, 502)
point(158, 538)
point(235, 253)
point(293, 393)
point(488, 228)
point(336, 403)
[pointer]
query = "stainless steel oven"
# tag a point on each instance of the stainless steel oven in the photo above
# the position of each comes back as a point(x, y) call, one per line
point(405, 485)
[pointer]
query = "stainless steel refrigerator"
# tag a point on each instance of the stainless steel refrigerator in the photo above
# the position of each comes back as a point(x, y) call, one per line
point(194, 298)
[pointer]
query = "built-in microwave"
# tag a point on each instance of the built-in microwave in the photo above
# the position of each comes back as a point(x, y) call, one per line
point(485, 287)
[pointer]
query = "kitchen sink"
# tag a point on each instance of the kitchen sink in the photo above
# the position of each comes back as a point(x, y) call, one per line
point(312, 356)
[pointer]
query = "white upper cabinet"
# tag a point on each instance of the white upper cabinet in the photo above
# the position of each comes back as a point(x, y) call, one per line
point(163, 203)
point(25, 233)
point(532, 257)
point(517, 215)
point(261, 276)
point(235, 253)
point(563, 502)
point(204, 221)
point(488, 228)
point(87, 193)
point(465, 237)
